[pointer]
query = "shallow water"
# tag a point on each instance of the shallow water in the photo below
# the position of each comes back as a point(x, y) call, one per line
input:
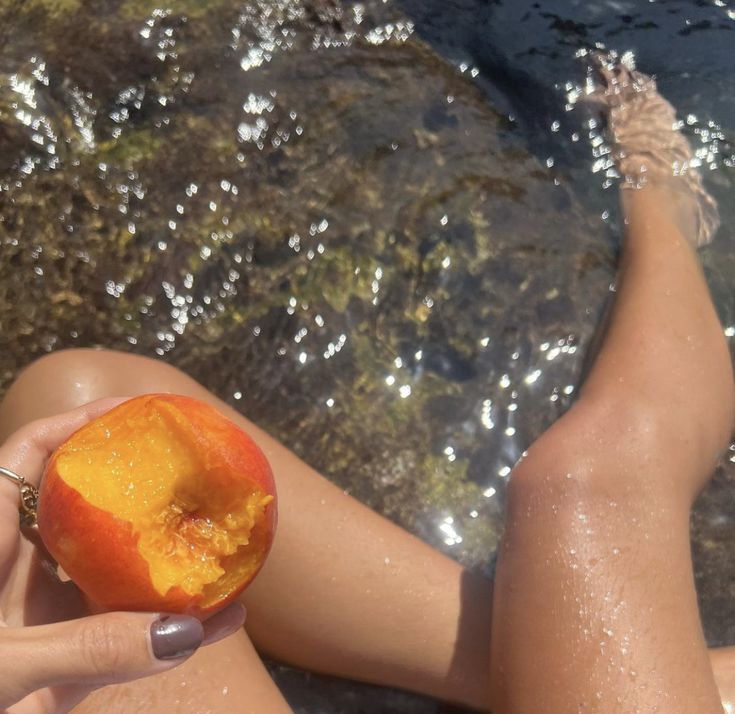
point(374, 227)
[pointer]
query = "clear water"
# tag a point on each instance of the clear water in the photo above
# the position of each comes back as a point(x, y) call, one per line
point(374, 227)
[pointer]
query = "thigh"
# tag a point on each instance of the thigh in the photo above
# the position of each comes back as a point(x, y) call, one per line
point(225, 678)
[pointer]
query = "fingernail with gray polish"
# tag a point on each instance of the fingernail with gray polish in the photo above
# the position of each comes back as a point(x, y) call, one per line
point(176, 636)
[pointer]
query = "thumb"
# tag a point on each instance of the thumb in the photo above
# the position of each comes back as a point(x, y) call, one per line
point(94, 651)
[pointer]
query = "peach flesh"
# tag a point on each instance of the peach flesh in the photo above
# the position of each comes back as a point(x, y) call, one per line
point(160, 504)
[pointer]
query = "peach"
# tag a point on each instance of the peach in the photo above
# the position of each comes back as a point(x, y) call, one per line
point(161, 504)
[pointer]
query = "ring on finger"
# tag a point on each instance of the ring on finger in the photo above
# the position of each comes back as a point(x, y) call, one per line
point(28, 497)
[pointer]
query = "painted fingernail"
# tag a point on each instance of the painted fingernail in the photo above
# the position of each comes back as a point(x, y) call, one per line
point(176, 636)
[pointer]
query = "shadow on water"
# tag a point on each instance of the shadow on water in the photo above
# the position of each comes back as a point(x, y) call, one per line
point(358, 222)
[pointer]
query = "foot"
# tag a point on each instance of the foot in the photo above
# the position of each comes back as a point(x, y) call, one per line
point(648, 148)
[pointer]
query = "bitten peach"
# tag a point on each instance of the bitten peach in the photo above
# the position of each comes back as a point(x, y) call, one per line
point(161, 504)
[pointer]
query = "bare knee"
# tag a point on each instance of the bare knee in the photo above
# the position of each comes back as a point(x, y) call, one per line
point(76, 376)
point(67, 379)
point(609, 451)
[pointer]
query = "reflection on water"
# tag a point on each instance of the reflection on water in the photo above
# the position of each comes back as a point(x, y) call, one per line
point(379, 233)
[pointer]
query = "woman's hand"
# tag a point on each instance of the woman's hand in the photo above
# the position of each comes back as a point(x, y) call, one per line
point(51, 655)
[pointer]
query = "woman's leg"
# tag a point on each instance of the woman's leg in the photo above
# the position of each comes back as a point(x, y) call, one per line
point(723, 664)
point(597, 540)
point(225, 678)
point(66, 378)
point(344, 591)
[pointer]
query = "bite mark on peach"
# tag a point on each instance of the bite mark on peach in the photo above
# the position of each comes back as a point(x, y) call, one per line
point(160, 504)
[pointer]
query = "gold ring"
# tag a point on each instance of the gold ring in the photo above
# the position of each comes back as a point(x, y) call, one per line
point(28, 497)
